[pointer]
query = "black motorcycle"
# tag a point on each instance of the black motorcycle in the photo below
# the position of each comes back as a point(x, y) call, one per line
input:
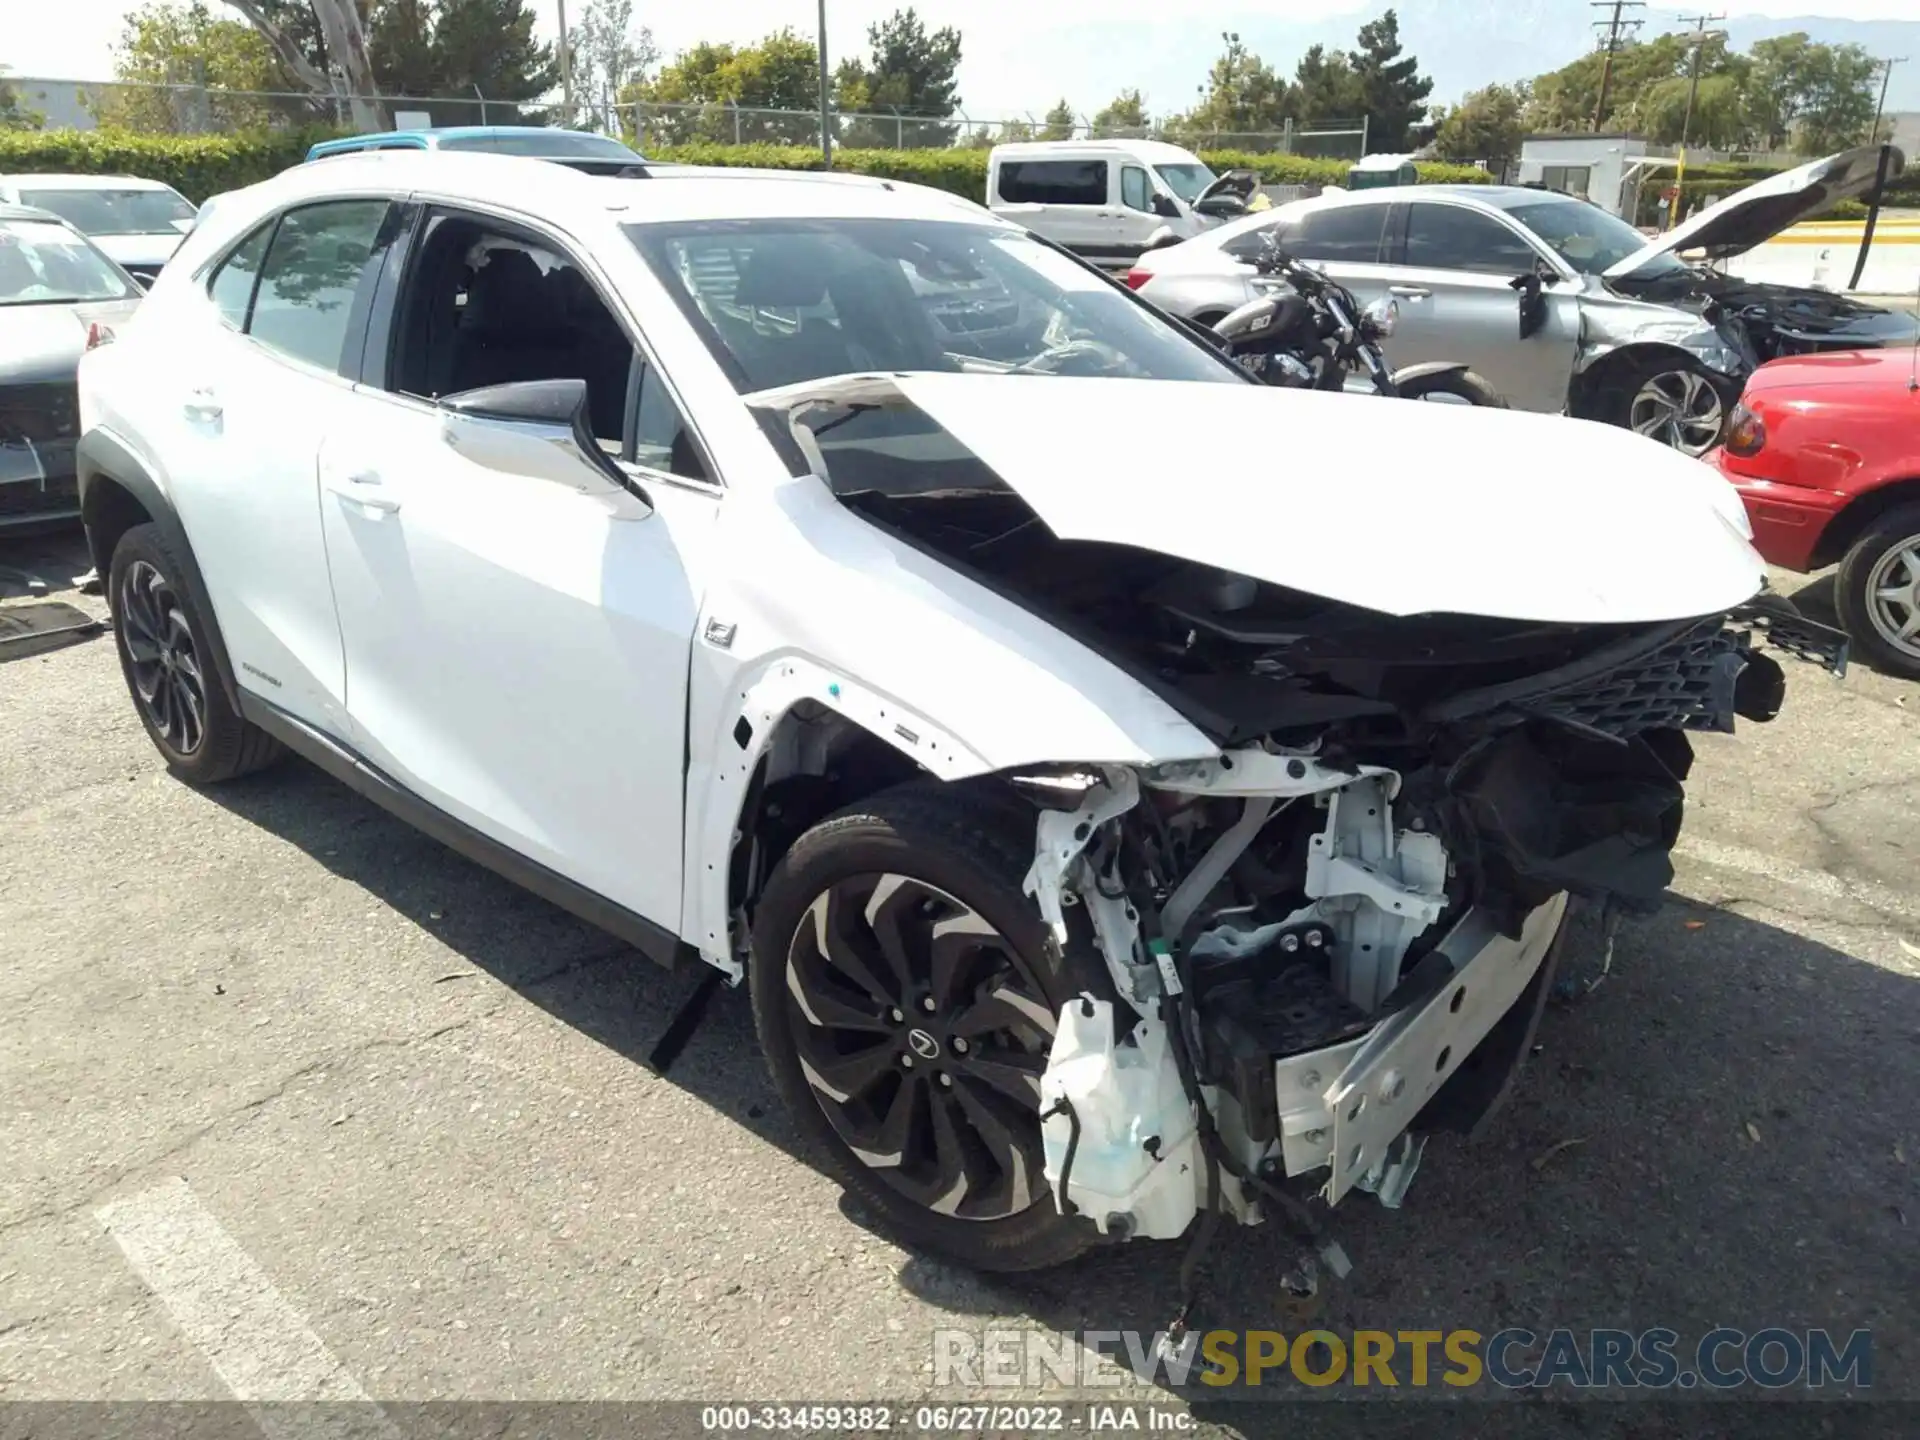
point(1316, 334)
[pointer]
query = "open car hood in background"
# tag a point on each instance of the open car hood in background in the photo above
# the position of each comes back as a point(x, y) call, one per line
point(1755, 215)
point(1394, 506)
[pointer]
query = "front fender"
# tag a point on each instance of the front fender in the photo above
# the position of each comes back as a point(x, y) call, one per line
point(1429, 370)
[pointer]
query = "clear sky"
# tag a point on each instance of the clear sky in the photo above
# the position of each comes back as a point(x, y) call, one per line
point(75, 38)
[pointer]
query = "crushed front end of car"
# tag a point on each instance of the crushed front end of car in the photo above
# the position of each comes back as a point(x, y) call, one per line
point(1334, 936)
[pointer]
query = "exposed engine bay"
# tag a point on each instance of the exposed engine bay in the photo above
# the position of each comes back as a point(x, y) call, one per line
point(1336, 936)
point(1774, 321)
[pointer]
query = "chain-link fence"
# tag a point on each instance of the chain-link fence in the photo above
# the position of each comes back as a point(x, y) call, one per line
point(189, 108)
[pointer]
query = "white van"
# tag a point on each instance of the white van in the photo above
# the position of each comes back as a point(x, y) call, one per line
point(1105, 199)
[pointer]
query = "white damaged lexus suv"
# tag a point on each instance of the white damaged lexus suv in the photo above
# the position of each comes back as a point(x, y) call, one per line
point(823, 580)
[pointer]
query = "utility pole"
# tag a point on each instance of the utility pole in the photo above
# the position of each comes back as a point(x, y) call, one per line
point(1873, 135)
point(1699, 42)
point(1616, 27)
point(826, 120)
point(566, 65)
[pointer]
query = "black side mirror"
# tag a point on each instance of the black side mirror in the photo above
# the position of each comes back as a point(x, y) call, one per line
point(1165, 206)
point(1533, 304)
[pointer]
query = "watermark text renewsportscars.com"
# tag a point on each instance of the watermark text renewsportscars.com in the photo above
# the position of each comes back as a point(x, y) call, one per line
point(1769, 1358)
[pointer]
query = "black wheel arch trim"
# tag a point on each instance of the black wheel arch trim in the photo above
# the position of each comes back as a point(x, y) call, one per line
point(100, 456)
point(654, 941)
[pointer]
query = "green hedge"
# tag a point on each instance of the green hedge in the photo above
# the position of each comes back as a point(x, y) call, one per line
point(1716, 182)
point(202, 165)
point(195, 165)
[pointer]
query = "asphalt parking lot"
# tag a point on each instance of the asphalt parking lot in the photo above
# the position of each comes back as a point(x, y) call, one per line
point(396, 1109)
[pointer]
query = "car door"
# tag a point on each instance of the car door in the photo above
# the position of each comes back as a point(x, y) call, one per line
point(1136, 221)
point(1454, 285)
point(255, 381)
point(1071, 200)
point(517, 648)
point(1348, 241)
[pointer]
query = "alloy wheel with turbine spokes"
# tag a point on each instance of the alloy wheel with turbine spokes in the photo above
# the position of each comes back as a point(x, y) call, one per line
point(1681, 409)
point(164, 662)
point(1893, 596)
point(923, 1035)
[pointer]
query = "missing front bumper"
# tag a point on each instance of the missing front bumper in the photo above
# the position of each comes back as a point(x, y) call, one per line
point(1342, 1107)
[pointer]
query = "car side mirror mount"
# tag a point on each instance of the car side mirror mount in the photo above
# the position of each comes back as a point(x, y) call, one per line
point(1533, 304)
point(536, 428)
point(1165, 206)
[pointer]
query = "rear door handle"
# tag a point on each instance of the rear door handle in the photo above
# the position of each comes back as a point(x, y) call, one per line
point(1412, 292)
point(200, 404)
point(362, 488)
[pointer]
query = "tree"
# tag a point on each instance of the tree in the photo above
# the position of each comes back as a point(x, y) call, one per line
point(1060, 123)
point(1566, 99)
point(1125, 116)
point(488, 46)
point(1719, 113)
point(712, 91)
point(171, 66)
point(342, 37)
point(909, 72)
point(609, 54)
point(1393, 91)
point(1243, 101)
point(1487, 125)
point(14, 115)
point(1328, 88)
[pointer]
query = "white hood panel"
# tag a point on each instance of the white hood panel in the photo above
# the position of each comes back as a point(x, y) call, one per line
point(1394, 505)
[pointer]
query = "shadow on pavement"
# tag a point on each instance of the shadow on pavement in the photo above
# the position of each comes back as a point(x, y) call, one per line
point(1710, 1137)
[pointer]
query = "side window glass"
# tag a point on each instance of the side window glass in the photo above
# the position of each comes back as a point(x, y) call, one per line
point(1344, 234)
point(1253, 245)
point(1135, 192)
point(315, 265)
point(1054, 182)
point(231, 288)
point(661, 441)
point(1447, 237)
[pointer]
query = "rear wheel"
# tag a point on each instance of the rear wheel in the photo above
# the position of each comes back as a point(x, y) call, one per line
point(1878, 592)
point(906, 993)
point(162, 639)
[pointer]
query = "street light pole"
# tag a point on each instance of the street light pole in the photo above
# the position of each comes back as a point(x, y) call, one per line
point(566, 65)
point(826, 120)
point(1873, 135)
point(1693, 88)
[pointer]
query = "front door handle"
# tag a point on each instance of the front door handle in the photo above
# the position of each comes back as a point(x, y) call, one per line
point(362, 488)
point(200, 404)
point(1412, 292)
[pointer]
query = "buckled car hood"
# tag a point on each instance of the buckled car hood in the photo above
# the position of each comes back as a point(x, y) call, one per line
point(1755, 215)
point(1397, 507)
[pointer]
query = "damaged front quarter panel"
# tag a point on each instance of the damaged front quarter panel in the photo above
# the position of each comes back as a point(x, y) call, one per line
point(1610, 323)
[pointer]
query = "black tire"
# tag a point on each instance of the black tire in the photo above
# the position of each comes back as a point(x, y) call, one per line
point(953, 851)
point(1462, 385)
point(1881, 563)
point(1702, 401)
point(162, 637)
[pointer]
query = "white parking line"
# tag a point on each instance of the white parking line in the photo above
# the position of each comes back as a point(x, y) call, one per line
point(224, 1303)
point(1785, 872)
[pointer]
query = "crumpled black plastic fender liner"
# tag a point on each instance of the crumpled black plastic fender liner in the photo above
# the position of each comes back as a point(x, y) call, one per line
point(1552, 810)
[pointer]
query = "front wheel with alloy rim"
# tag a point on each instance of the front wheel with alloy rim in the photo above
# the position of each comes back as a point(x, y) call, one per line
point(1878, 592)
point(906, 992)
point(1673, 401)
point(162, 639)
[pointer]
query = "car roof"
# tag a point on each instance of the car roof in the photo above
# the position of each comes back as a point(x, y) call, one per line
point(1156, 150)
point(434, 136)
point(670, 193)
point(30, 212)
point(82, 182)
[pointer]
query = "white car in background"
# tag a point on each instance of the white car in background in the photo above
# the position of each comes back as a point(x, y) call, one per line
point(1102, 833)
point(1105, 200)
point(137, 223)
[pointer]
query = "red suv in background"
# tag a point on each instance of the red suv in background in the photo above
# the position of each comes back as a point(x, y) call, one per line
point(1825, 450)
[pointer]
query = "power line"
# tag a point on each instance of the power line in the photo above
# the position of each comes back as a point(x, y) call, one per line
point(1617, 27)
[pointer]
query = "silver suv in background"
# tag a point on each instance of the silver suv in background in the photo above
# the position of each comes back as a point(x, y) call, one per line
point(1561, 306)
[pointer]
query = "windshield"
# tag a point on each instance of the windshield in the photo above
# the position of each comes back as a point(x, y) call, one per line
point(1588, 238)
point(42, 263)
point(1189, 182)
point(543, 144)
point(114, 212)
point(785, 301)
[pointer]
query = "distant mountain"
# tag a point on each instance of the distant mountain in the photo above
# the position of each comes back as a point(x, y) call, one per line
point(1462, 44)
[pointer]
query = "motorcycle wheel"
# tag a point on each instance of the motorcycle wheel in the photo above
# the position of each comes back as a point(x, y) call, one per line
point(1454, 387)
